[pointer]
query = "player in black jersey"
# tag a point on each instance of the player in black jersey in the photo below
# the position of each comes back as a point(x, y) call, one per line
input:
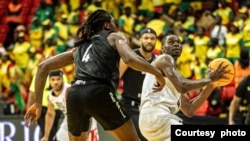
point(133, 79)
point(96, 56)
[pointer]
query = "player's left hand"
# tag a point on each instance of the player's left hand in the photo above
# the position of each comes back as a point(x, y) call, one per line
point(33, 114)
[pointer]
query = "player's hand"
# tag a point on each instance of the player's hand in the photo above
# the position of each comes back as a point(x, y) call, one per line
point(218, 72)
point(160, 83)
point(33, 114)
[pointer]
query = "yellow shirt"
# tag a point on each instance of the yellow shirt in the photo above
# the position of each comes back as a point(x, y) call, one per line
point(246, 34)
point(36, 35)
point(21, 54)
point(74, 4)
point(127, 24)
point(146, 5)
point(184, 61)
point(158, 25)
point(63, 31)
point(111, 7)
point(201, 46)
point(224, 13)
point(233, 45)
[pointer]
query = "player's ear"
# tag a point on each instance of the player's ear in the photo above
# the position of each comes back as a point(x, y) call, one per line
point(106, 26)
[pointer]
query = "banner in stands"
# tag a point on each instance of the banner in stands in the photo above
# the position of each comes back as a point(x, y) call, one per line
point(13, 129)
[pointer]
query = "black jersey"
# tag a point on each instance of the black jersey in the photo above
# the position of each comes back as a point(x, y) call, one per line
point(97, 60)
point(243, 90)
point(132, 81)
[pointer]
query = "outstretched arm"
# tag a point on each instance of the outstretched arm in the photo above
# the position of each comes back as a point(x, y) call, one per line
point(190, 106)
point(166, 64)
point(52, 63)
point(55, 62)
point(120, 42)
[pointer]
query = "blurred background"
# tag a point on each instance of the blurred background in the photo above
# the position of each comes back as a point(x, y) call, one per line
point(33, 30)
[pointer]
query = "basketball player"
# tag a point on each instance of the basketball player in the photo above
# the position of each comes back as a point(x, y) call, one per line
point(242, 93)
point(133, 79)
point(158, 109)
point(93, 93)
point(57, 97)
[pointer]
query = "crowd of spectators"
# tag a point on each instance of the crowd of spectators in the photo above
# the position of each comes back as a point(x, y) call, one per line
point(207, 29)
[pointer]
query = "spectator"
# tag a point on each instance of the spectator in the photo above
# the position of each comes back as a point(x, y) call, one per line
point(36, 35)
point(14, 18)
point(63, 34)
point(242, 66)
point(126, 22)
point(44, 12)
point(234, 43)
point(219, 31)
point(201, 42)
point(20, 52)
point(49, 38)
point(225, 12)
point(214, 50)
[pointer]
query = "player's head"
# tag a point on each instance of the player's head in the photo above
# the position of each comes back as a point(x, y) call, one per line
point(97, 21)
point(171, 45)
point(148, 39)
point(56, 80)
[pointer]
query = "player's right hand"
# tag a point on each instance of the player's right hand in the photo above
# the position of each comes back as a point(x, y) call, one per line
point(217, 74)
point(32, 114)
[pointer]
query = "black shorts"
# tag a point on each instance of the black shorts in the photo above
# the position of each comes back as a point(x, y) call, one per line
point(93, 100)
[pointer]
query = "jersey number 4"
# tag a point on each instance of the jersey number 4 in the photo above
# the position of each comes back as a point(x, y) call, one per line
point(86, 57)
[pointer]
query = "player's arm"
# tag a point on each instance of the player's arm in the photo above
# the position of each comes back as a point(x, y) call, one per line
point(49, 120)
point(190, 106)
point(52, 63)
point(233, 108)
point(133, 60)
point(122, 68)
point(166, 64)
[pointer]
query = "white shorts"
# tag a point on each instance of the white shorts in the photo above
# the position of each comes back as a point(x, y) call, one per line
point(155, 123)
point(62, 133)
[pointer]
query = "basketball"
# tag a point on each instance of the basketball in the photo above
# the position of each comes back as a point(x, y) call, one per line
point(230, 75)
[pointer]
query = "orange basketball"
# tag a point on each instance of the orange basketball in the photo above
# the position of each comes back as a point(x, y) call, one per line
point(230, 75)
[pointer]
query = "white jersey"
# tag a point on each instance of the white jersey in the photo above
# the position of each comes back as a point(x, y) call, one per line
point(60, 101)
point(168, 98)
point(158, 109)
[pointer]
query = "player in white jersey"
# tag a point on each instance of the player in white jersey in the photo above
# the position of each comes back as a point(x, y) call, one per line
point(57, 97)
point(158, 109)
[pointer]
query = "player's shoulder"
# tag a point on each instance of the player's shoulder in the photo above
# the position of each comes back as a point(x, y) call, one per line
point(163, 57)
point(162, 60)
point(115, 35)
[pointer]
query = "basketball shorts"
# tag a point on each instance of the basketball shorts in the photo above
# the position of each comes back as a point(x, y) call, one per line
point(93, 100)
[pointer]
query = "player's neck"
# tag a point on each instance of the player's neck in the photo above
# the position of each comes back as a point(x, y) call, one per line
point(146, 55)
point(57, 93)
